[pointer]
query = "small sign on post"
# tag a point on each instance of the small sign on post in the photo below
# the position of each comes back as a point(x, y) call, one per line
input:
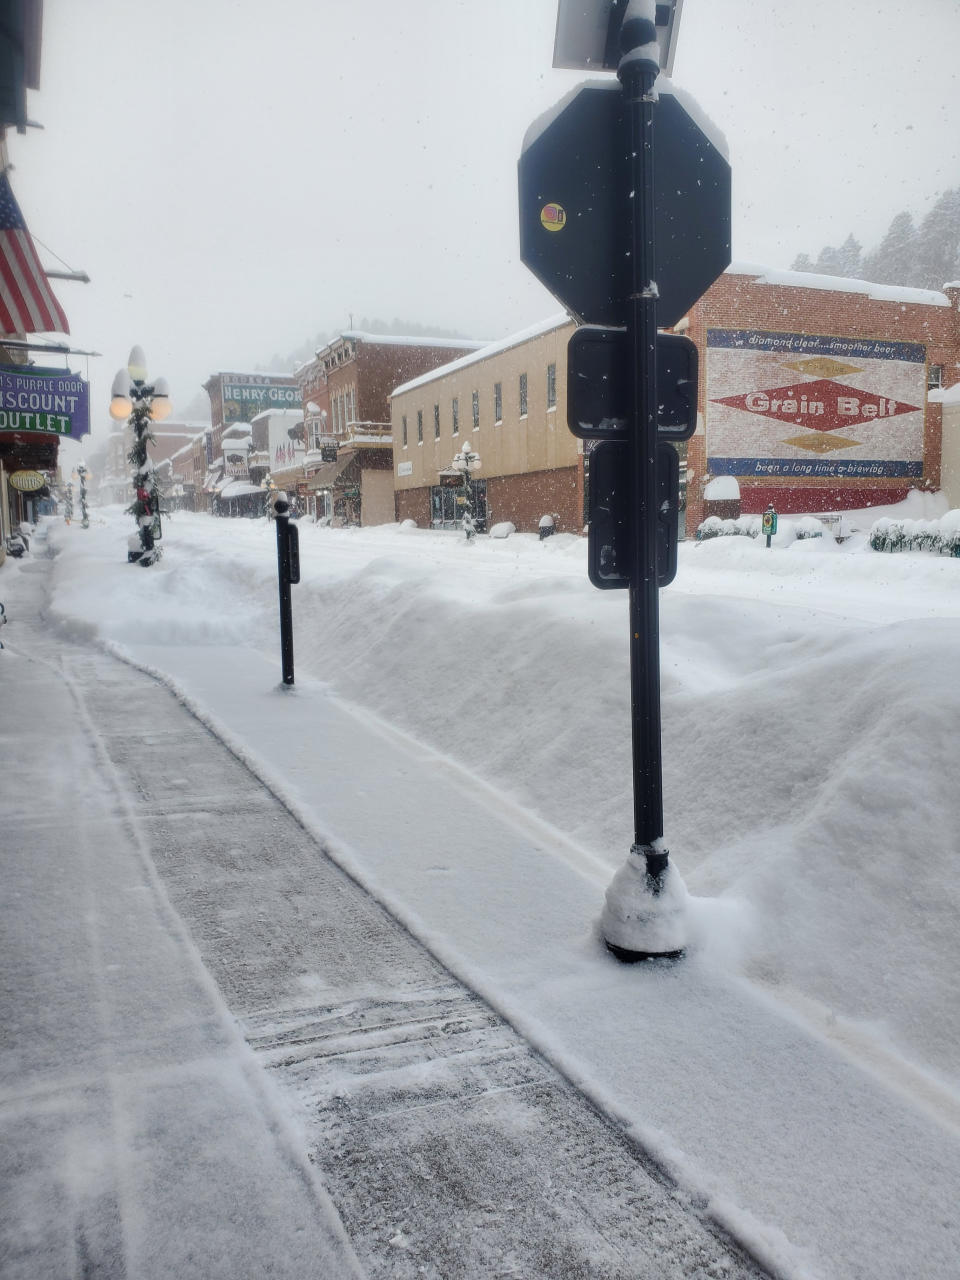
point(769, 523)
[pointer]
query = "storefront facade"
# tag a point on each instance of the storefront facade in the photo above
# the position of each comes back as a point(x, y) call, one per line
point(507, 401)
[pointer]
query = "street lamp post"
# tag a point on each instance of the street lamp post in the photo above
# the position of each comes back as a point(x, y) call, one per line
point(84, 514)
point(141, 402)
point(467, 461)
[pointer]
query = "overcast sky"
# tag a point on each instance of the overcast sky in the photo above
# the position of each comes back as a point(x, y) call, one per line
point(236, 175)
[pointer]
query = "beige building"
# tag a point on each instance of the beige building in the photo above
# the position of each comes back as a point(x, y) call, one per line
point(950, 465)
point(507, 401)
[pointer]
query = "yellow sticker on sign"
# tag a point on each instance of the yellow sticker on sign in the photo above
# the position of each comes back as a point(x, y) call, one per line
point(553, 217)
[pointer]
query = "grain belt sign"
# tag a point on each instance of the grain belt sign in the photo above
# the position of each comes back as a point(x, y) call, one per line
point(44, 401)
point(790, 404)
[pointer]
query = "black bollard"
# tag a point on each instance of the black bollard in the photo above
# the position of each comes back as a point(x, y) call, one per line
point(288, 571)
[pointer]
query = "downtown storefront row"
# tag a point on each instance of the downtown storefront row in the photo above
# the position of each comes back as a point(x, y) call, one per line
point(815, 394)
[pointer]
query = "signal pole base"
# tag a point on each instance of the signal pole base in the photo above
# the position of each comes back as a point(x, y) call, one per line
point(645, 915)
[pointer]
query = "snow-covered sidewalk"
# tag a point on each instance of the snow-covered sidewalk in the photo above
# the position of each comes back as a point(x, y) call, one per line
point(138, 1136)
point(788, 1138)
point(805, 1133)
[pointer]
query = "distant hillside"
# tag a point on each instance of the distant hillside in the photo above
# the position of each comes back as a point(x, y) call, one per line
point(923, 257)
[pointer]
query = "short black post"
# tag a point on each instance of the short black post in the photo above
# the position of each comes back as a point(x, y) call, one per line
point(281, 507)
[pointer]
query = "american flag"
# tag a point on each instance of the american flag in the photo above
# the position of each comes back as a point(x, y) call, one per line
point(27, 304)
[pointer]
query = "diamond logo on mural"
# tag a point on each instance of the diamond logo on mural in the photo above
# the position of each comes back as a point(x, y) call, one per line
point(823, 405)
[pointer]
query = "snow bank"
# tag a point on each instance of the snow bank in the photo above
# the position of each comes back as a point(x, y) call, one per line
point(810, 706)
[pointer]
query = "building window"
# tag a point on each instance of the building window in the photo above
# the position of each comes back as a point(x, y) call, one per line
point(436, 422)
point(419, 426)
point(456, 415)
point(551, 386)
point(523, 395)
point(476, 410)
point(403, 428)
point(934, 377)
point(498, 402)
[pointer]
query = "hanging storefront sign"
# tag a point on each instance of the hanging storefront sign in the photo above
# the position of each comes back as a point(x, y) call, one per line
point(235, 463)
point(798, 404)
point(27, 481)
point(47, 401)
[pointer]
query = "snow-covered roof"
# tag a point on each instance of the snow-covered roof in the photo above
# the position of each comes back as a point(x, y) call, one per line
point(268, 376)
point(397, 340)
point(722, 489)
point(838, 284)
point(266, 414)
point(238, 489)
point(537, 330)
point(186, 448)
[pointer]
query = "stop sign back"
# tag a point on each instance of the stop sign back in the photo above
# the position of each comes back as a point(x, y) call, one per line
point(575, 205)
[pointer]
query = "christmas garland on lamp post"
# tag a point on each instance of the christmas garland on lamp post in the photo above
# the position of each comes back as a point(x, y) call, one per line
point(84, 514)
point(142, 402)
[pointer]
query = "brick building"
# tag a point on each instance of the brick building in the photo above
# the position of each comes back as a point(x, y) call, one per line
point(814, 390)
point(815, 394)
point(345, 391)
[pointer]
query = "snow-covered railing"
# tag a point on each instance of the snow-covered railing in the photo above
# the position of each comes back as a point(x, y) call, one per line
point(364, 432)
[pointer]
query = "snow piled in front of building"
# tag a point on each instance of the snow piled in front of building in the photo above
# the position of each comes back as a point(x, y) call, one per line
point(810, 705)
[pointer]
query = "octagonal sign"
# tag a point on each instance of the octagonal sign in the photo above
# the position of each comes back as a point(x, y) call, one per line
point(575, 205)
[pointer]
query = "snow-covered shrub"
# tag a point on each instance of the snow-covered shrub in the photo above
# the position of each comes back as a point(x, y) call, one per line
point(712, 527)
point(407, 525)
point(942, 537)
point(749, 526)
point(886, 535)
point(503, 529)
point(808, 527)
point(742, 527)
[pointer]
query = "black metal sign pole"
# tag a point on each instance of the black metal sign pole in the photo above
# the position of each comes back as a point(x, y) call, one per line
point(637, 72)
point(281, 507)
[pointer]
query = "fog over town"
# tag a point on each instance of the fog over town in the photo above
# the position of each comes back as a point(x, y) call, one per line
point(236, 181)
point(478, 719)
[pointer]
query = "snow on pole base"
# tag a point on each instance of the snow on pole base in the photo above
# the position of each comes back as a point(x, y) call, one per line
point(645, 916)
